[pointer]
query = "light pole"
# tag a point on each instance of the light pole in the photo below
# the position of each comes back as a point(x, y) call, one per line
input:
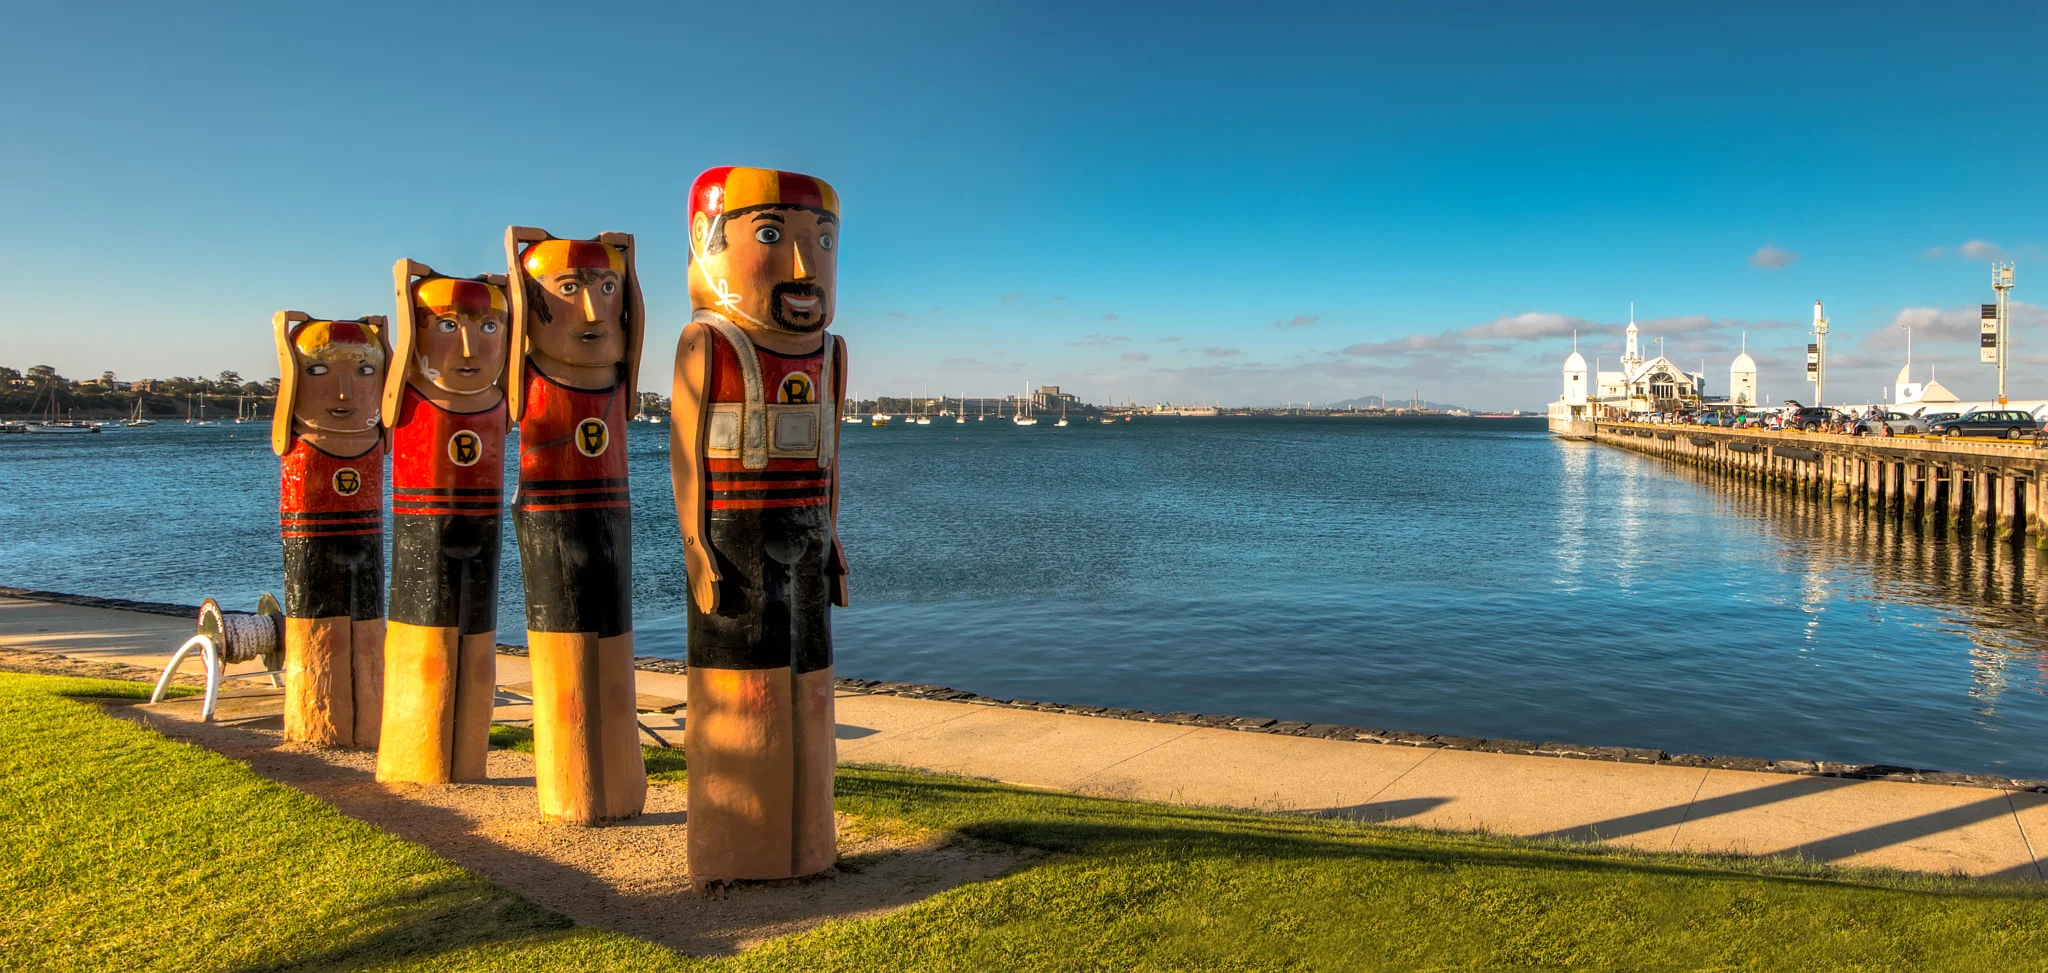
point(1816, 357)
point(1993, 324)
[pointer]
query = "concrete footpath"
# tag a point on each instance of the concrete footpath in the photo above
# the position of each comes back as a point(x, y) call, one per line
point(1926, 827)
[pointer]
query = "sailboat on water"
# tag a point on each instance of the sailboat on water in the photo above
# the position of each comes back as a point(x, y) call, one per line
point(922, 419)
point(1063, 413)
point(960, 417)
point(1023, 416)
point(135, 419)
point(852, 419)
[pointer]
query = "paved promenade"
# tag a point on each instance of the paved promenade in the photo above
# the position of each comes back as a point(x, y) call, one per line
point(1928, 827)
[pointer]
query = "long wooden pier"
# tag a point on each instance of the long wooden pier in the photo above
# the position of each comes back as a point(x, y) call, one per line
point(1994, 487)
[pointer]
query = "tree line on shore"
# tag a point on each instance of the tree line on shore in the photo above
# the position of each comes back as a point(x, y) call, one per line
point(28, 394)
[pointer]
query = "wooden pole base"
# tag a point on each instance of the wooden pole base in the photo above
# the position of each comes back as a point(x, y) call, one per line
point(762, 755)
point(586, 732)
point(438, 690)
point(333, 681)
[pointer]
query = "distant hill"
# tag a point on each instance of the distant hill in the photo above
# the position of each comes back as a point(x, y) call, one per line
point(1375, 402)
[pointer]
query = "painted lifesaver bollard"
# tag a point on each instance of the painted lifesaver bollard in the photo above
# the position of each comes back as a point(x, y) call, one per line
point(447, 416)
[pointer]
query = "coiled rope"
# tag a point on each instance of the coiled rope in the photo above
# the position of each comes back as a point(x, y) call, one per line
point(248, 636)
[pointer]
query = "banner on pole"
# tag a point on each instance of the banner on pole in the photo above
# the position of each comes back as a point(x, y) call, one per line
point(1812, 362)
point(1987, 351)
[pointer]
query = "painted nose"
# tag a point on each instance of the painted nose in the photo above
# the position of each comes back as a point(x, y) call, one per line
point(465, 342)
point(341, 391)
point(800, 270)
point(589, 305)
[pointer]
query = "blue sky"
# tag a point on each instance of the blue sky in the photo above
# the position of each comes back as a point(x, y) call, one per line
point(1248, 202)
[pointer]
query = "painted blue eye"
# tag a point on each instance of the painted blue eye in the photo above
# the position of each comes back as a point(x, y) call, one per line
point(316, 369)
point(767, 234)
point(447, 327)
point(824, 241)
point(490, 327)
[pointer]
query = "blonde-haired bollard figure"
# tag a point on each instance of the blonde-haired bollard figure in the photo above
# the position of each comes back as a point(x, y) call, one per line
point(577, 324)
point(758, 382)
point(446, 413)
point(329, 434)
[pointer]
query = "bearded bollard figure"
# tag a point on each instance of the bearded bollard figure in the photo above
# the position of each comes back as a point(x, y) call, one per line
point(577, 324)
point(329, 433)
point(446, 413)
point(758, 382)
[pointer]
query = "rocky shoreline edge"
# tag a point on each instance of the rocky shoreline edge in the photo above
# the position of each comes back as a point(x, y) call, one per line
point(1253, 724)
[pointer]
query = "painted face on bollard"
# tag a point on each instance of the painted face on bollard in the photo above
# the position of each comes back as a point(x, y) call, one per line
point(576, 296)
point(780, 265)
point(764, 246)
point(340, 377)
point(459, 334)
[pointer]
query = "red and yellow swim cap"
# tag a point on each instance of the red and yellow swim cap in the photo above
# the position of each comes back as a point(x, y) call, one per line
point(321, 341)
point(441, 295)
point(555, 256)
point(727, 188)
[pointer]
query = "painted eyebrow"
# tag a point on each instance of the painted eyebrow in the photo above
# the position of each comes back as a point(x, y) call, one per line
point(767, 216)
point(824, 217)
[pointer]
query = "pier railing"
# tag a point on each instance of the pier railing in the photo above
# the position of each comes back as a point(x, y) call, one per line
point(1992, 486)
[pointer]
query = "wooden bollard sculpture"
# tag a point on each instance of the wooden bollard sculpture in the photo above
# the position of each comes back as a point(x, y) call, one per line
point(447, 418)
point(758, 382)
point(577, 323)
point(331, 513)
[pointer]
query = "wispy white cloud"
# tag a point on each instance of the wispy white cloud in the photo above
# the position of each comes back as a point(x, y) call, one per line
point(1981, 250)
point(898, 314)
point(1169, 339)
point(1772, 258)
point(1109, 317)
point(1298, 321)
point(1013, 297)
point(974, 365)
point(1100, 340)
point(1135, 356)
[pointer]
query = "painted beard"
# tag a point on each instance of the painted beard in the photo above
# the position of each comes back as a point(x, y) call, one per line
point(798, 320)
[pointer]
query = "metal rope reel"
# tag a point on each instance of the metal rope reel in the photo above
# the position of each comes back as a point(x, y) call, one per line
point(224, 640)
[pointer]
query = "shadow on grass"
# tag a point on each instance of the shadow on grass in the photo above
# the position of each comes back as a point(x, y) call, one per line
point(1073, 825)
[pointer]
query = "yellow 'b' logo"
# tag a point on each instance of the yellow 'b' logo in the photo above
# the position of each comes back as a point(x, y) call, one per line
point(347, 481)
point(796, 388)
point(592, 436)
point(464, 448)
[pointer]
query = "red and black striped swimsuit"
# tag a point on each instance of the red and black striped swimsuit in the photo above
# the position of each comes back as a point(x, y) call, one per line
point(331, 517)
point(573, 511)
point(447, 463)
point(447, 492)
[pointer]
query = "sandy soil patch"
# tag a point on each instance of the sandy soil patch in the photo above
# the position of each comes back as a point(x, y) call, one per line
point(630, 877)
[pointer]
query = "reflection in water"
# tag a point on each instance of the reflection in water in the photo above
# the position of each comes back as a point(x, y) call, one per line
point(1984, 589)
point(1574, 502)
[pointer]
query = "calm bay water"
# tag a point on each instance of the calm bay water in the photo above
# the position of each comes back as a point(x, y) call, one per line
point(1450, 576)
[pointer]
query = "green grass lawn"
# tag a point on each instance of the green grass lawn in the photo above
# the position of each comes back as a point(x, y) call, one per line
point(127, 851)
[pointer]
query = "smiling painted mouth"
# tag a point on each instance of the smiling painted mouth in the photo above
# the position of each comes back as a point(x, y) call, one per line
point(590, 336)
point(801, 305)
point(467, 370)
point(341, 413)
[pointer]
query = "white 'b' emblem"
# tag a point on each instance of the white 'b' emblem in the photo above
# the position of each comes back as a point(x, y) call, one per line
point(592, 436)
point(347, 481)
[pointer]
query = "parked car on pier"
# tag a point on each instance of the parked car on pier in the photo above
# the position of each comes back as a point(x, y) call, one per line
point(2004, 423)
point(1809, 418)
point(1897, 423)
